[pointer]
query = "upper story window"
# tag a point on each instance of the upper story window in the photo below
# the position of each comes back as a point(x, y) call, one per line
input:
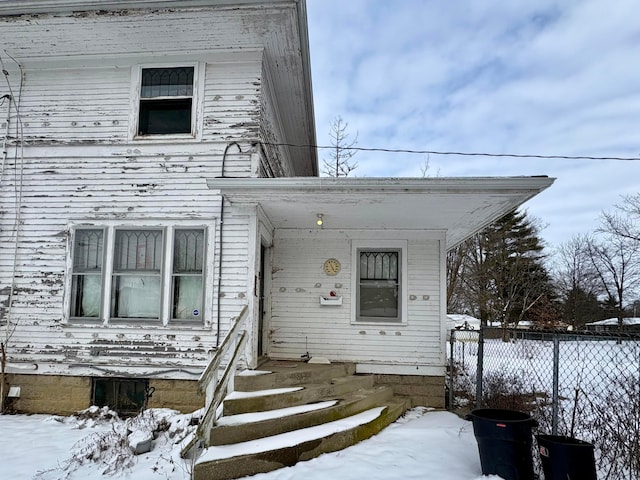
point(138, 274)
point(166, 101)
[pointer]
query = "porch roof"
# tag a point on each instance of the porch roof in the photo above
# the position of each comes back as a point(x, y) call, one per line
point(459, 206)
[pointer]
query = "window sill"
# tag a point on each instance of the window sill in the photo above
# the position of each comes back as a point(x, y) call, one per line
point(155, 324)
point(396, 323)
point(163, 138)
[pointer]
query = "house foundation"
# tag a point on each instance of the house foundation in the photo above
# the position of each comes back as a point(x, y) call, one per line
point(65, 395)
point(421, 390)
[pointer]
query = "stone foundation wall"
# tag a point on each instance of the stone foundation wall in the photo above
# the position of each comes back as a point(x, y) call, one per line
point(64, 395)
point(423, 391)
point(52, 394)
point(181, 395)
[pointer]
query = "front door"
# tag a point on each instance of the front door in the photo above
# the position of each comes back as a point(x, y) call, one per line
point(264, 264)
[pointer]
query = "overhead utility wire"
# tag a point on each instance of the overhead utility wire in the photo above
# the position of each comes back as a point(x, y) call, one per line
point(464, 154)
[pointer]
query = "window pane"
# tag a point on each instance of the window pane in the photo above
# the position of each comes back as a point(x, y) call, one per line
point(379, 299)
point(159, 117)
point(138, 250)
point(135, 296)
point(379, 265)
point(188, 267)
point(86, 282)
point(85, 295)
point(167, 82)
point(136, 284)
point(187, 297)
point(188, 251)
point(87, 250)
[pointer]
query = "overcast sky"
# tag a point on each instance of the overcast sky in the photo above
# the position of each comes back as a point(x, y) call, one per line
point(544, 77)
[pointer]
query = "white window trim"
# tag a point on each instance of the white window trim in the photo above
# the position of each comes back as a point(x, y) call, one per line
point(402, 245)
point(196, 104)
point(109, 228)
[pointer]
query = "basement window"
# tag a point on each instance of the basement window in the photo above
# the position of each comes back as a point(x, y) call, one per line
point(144, 274)
point(166, 101)
point(124, 396)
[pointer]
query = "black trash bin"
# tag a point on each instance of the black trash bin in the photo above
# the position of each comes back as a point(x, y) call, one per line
point(566, 458)
point(504, 441)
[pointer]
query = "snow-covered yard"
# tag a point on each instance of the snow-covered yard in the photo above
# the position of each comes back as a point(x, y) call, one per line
point(422, 443)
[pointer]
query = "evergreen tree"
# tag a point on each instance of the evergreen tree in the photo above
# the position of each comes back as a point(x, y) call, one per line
point(503, 276)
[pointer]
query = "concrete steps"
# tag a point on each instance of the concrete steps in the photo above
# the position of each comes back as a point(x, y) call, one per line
point(296, 412)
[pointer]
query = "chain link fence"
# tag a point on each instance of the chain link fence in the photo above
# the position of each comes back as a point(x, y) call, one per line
point(582, 385)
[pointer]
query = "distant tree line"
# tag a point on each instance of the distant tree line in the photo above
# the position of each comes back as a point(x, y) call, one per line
point(503, 274)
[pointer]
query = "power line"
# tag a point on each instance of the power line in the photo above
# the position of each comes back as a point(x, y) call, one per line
point(464, 154)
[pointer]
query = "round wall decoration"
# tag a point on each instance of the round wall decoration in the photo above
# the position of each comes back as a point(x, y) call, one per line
point(331, 266)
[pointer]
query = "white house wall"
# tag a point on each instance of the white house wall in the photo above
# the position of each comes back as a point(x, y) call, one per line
point(299, 324)
point(73, 163)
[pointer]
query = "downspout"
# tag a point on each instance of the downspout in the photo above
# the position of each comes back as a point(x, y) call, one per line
point(224, 157)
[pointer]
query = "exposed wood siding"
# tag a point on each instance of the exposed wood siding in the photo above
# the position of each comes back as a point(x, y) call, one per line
point(78, 166)
point(124, 38)
point(298, 321)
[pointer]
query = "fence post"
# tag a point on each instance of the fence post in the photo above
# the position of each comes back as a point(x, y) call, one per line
point(480, 367)
point(556, 381)
point(451, 363)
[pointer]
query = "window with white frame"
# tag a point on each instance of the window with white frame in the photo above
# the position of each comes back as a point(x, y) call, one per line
point(150, 274)
point(379, 282)
point(166, 101)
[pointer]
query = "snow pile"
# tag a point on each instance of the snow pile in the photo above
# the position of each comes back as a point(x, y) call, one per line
point(113, 448)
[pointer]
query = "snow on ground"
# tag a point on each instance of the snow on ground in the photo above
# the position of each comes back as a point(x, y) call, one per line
point(421, 444)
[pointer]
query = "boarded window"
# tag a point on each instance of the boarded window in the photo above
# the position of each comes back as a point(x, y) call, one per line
point(166, 101)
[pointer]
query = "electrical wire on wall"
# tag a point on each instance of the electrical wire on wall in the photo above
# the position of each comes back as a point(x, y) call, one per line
point(18, 163)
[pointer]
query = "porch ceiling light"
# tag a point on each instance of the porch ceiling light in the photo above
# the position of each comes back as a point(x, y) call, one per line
point(320, 219)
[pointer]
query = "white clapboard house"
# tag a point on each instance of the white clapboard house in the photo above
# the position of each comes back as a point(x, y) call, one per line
point(157, 177)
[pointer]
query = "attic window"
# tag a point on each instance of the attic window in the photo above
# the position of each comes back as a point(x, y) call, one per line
point(166, 101)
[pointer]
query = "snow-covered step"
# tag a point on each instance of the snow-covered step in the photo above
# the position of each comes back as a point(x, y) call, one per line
point(248, 426)
point(270, 453)
point(282, 374)
point(245, 402)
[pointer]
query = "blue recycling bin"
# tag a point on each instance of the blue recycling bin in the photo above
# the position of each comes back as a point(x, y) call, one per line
point(505, 442)
point(566, 458)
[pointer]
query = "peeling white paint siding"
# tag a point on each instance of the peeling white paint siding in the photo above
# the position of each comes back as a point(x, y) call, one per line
point(299, 322)
point(74, 162)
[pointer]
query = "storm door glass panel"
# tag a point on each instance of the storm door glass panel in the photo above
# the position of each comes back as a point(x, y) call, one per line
point(137, 270)
point(86, 283)
point(166, 98)
point(188, 271)
point(378, 285)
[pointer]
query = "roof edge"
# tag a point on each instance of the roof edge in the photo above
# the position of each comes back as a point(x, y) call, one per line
point(27, 7)
point(406, 184)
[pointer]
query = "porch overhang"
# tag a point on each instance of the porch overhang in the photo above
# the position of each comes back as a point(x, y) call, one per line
point(458, 206)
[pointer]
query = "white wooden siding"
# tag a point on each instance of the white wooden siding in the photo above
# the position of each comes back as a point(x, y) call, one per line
point(298, 321)
point(79, 166)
